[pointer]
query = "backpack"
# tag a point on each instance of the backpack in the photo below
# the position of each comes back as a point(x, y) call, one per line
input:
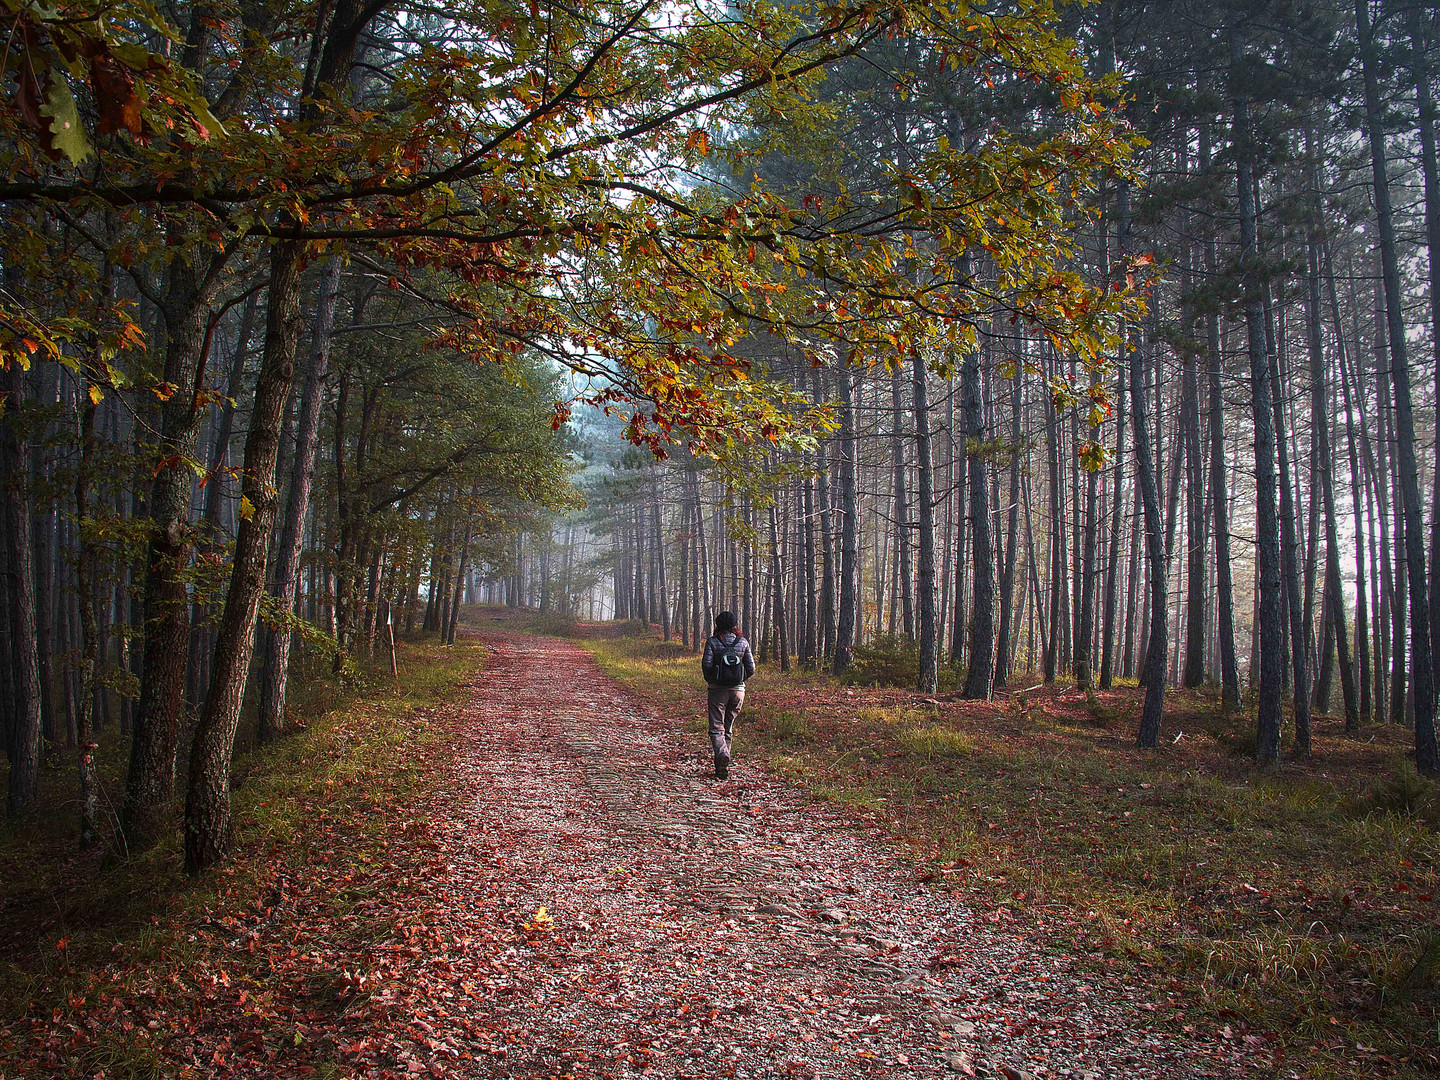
point(729, 667)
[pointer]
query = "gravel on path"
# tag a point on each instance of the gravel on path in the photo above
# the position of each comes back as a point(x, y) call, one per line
point(656, 922)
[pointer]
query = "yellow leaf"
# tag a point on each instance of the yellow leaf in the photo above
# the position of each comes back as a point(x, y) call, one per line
point(95, 394)
point(247, 508)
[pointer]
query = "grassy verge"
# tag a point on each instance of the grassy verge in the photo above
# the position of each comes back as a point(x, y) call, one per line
point(1296, 908)
point(124, 967)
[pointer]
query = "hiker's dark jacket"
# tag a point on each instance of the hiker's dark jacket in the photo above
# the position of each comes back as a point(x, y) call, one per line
point(717, 644)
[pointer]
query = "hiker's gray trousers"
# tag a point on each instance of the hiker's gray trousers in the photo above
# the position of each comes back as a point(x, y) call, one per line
point(724, 703)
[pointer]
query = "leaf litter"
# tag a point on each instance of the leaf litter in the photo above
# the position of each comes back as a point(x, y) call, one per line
point(573, 896)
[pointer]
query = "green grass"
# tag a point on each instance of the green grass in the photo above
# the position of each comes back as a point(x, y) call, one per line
point(1296, 904)
point(931, 741)
point(105, 933)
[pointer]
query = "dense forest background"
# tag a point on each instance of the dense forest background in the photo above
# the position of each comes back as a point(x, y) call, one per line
point(1244, 495)
point(963, 346)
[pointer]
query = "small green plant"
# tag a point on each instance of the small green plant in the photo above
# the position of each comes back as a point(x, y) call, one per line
point(554, 624)
point(1418, 973)
point(1101, 714)
point(1405, 793)
point(932, 741)
point(789, 726)
point(1233, 734)
point(889, 660)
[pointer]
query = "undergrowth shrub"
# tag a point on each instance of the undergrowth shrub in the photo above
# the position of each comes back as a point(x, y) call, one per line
point(932, 741)
point(888, 660)
point(554, 624)
point(1237, 741)
point(1405, 793)
point(789, 725)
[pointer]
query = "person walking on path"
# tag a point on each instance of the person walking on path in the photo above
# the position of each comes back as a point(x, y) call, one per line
point(727, 662)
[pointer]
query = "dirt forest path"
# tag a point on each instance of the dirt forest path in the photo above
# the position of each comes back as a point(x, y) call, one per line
point(703, 929)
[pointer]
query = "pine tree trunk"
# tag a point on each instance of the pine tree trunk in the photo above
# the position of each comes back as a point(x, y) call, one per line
point(1290, 565)
point(1362, 639)
point(207, 803)
point(1117, 503)
point(1196, 578)
point(1427, 754)
point(658, 538)
point(827, 544)
point(1004, 650)
point(808, 640)
point(86, 594)
point(1152, 711)
point(156, 723)
point(777, 591)
point(849, 527)
point(1271, 616)
point(1323, 466)
point(1425, 100)
point(925, 507)
point(286, 578)
point(982, 619)
point(23, 747)
point(1054, 618)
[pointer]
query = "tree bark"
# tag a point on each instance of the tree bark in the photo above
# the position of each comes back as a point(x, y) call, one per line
point(900, 515)
point(1267, 524)
point(1425, 100)
point(1152, 711)
point(24, 742)
point(982, 617)
point(207, 803)
point(286, 578)
point(925, 507)
point(85, 742)
point(844, 653)
point(1427, 753)
point(1323, 465)
point(1004, 652)
point(156, 724)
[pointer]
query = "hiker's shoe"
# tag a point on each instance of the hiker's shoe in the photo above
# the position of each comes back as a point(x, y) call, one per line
point(722, 770)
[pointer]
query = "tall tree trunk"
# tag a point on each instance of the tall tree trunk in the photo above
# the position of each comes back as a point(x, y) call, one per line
point(1220, 512)
point(207, 803)
point(1427, 753)
point(1267, 523)
point(86, 594)
point(808, 640)
point(659, 542)
point(1055, 617)
point(1196, 578)
point(900, 515)
point(1362, 639)
point(156, 724)
point(1151, 714)
point(777, 590)
point(925, 507)
point(1425, 99)
point(44, 532)
point(1290, 564)
point(286, 578)
point(982, 619)
point(827, 544)
point(24, 743)
point(1334, 606)
point(1117, 503)
point(1004, 651)
point(849, 527)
